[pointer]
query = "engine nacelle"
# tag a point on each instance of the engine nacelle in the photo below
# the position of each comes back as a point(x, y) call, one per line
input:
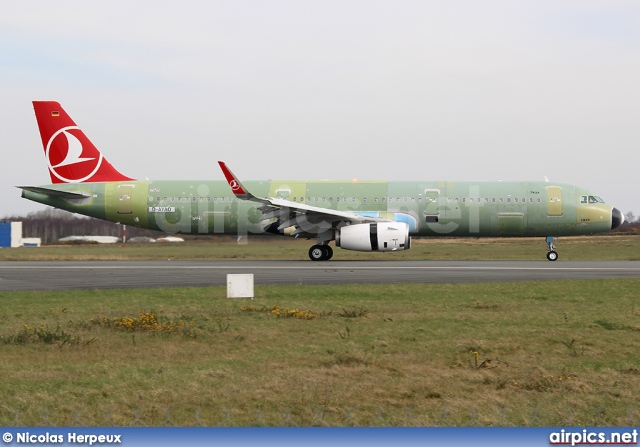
point(378, 236)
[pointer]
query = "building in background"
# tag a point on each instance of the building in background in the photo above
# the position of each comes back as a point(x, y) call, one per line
point(11, 236)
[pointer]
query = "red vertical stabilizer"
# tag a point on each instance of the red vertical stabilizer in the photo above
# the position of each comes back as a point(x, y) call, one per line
point(70, 155)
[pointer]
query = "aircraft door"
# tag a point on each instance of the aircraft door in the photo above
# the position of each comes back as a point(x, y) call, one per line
point(554, 201)
point(124, 199)
point(432, 211)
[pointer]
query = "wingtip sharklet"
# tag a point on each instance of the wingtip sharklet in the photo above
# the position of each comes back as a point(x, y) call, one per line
point(235, 184)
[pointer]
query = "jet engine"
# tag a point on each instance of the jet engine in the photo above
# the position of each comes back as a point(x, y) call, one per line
point(378, 236)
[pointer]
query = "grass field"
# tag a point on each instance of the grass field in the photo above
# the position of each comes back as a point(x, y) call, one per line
point(538, 353)
point(523, 354)
point(569, 248)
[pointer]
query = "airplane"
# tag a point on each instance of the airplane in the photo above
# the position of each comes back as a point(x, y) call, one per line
point(364, 216)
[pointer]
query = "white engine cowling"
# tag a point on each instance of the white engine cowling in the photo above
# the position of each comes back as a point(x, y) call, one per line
point(379, 236)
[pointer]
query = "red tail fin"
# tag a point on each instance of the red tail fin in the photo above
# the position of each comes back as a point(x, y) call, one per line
point(71, 156)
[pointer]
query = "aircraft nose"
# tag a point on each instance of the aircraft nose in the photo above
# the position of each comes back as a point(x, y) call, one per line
point(617, 218)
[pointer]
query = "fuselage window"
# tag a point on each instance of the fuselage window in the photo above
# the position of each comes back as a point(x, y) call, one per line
point(364, 200)
point(179, 199)
point(375, 199)
point(158, 199)
point(150, 198)
point(501, 200)
point(538, 199)
point(330, 199)
point(208, 198)
point(508, 199)
point(353, 199)
point(302, 199)
point(516, 200)
point(384, 199)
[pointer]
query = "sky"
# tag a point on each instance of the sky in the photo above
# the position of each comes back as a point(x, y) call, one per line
point(373, 90)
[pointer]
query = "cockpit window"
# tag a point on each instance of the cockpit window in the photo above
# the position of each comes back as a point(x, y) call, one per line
point(591, 199)
point(595, 199)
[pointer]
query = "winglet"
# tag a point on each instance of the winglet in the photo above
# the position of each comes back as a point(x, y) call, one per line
point(236, 186)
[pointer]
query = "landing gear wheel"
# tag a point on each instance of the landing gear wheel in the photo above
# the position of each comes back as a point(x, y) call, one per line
point(552, 255)
point(317, 253)
point(320, 253)
point(329, 251)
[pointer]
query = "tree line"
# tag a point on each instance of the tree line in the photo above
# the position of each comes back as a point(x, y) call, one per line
point(52, 224)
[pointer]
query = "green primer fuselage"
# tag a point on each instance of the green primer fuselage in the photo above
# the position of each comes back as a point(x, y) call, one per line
point(477, 209)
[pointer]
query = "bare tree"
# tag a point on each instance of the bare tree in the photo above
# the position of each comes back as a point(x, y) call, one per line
point(630, 217)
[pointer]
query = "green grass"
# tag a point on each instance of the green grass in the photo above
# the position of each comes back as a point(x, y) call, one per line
point(548, 353)
point(283, 248)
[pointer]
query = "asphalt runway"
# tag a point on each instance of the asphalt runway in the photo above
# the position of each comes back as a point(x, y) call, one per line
point(68, 275)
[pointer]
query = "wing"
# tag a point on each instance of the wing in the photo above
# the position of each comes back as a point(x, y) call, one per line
point(306, 219)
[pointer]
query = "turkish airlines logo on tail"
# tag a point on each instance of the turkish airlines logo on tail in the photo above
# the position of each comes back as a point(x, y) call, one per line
point(64, 154)
point(234, 185)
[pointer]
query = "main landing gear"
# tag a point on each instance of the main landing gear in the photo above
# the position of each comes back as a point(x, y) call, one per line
point(320, 252)
point(552, 254)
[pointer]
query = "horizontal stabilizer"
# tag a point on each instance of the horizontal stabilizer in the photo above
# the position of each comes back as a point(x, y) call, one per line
point(55, 193)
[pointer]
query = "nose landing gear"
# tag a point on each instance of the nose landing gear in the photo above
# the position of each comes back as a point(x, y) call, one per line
point(552, 254)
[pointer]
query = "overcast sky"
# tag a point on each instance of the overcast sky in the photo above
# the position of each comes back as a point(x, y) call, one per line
point(380, 90)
